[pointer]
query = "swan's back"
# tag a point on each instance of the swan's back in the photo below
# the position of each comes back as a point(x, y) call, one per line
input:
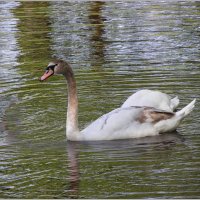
point(150, 98)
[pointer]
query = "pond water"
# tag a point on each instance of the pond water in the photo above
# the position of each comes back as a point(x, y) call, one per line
point(115, 49)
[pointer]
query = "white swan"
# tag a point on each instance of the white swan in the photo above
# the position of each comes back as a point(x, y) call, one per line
point(154, 99)
point(121, 123)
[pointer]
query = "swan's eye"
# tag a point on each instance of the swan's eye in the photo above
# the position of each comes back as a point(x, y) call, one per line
point(50, 67)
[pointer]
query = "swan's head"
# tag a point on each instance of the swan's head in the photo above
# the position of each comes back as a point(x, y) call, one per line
point(55, 67)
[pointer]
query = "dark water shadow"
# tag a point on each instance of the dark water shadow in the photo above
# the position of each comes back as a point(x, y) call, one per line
point(162, 139)
point(6, 136)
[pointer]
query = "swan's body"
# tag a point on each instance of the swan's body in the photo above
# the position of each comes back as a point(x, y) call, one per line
point(122, 123)
point(151, 98)
point(132, 122)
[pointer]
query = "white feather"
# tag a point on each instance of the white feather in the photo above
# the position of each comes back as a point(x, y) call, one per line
point(151, 98)
point(120, 123)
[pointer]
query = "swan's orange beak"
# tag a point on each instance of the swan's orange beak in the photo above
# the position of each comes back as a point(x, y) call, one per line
point(46, 75)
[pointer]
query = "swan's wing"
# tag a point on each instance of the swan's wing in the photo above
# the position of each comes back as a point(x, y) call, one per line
point(126, 123)
point(115, 119)
point(150, 98)
point(174, 103)
point(153, 115)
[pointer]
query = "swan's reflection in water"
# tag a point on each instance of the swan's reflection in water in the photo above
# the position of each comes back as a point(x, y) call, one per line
point(122, 148)
point(73, 169)
point(166, 138)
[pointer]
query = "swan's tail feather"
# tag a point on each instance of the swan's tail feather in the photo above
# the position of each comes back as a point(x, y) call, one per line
point(186, 110)
point(174, 103)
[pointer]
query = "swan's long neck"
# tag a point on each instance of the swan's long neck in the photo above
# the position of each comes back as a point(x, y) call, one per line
point(72, 108)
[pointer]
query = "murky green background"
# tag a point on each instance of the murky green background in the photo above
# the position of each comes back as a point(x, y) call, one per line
point(115, 48)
